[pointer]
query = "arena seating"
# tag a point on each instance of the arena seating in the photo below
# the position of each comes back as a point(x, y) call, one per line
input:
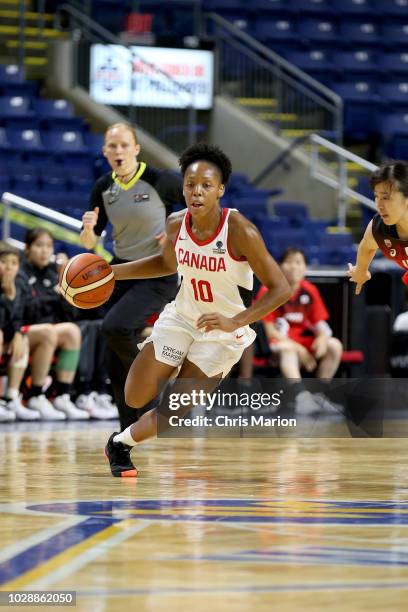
point(49, 156)
point(357, 47)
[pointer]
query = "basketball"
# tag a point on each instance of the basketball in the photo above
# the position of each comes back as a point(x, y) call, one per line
point(87, 281)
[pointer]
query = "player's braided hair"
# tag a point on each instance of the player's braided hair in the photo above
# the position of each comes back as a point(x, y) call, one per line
point(210, 153)
point(394, 172)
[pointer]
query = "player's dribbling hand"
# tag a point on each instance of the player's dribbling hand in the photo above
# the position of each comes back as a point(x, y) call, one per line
point(90, 219)
point(214, 320)
point(357, 277)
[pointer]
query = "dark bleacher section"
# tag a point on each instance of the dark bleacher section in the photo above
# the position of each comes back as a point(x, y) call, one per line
point(46, 153)
point(49, 156)
point(359, 48)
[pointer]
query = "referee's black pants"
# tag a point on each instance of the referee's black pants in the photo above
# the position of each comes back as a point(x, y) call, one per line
point(131, 304)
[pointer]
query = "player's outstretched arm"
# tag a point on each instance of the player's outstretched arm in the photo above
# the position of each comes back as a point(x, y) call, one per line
point(244, 240)
point(367, 248)
point(163, 264)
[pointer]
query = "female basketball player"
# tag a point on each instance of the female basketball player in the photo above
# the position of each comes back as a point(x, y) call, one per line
point(205, 330)
point(388, 230)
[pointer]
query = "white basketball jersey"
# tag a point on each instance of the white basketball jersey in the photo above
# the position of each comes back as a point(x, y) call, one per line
point(213, 281)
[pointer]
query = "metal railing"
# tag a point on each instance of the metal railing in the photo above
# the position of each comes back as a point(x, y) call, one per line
point(339, 179)
point(157, 121)
point(250, 70)
point(62, 227)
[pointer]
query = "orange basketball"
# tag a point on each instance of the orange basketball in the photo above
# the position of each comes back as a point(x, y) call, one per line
point(87, 281)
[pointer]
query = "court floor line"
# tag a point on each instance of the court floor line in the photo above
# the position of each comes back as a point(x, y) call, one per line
point(44, 534)
point(72, 560)
point(285, 531)
point(177, 591)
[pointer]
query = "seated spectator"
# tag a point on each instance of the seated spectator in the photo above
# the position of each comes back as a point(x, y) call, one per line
point(300, 337)
point(14, 347)
point(47, 315)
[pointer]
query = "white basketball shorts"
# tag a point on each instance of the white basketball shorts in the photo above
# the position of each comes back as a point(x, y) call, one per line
point(175, 339)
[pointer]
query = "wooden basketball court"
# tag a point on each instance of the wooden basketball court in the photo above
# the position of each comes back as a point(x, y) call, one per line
point(220, 524)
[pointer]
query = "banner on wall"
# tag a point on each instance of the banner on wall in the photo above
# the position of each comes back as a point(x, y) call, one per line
point(128, 75)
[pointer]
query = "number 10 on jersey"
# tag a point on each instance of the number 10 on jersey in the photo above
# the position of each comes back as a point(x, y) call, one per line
point(202, 290)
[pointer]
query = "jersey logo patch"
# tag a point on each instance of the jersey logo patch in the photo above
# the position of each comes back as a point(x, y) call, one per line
point(113, 193)
point(141, 197)
point(219, 250)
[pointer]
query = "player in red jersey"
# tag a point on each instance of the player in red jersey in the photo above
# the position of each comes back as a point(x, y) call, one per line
point(388, 230)
point(299, 335)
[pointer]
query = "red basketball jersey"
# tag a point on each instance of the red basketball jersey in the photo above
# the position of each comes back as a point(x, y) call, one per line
point(392, 247)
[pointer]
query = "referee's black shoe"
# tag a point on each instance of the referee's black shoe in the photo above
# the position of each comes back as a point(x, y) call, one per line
point(118, 455)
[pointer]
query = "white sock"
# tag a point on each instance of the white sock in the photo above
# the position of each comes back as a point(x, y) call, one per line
point(125, 437)
point(12, 394)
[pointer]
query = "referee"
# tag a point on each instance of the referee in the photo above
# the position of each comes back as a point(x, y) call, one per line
point(135, 199)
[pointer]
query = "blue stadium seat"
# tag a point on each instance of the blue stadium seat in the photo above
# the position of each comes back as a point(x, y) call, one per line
point(55, 199)
point(316, 62)
point(25, 140)
point(250, 207)
point(81, 187)
point(295, 212)
point(291, 238)
point(395, 93)
point(8, 154)
point(271, 30)
point(335, 240)
point(57, 115)
point(237, 181)
point(360, 64)
point(363, 33)
point(393, 64)
point(94, 142)
point(353, 7)
point(221, 5)
point(11, 73)
point(336, 249)
point(27, 88)
point(5, 184)
point(394, 130)
point(395, 35)
point(54, 183)
point(53, 108)
point(321, 8)
point(16, 106)
point(270, 227)
point(395, 8)
point(25, 178)
point(277, 7)
point(361, 110)
point(337, 257)
point(24, 171)
point(63, 141)
point(316, 226)
point(4, 141)
point(318, 31)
